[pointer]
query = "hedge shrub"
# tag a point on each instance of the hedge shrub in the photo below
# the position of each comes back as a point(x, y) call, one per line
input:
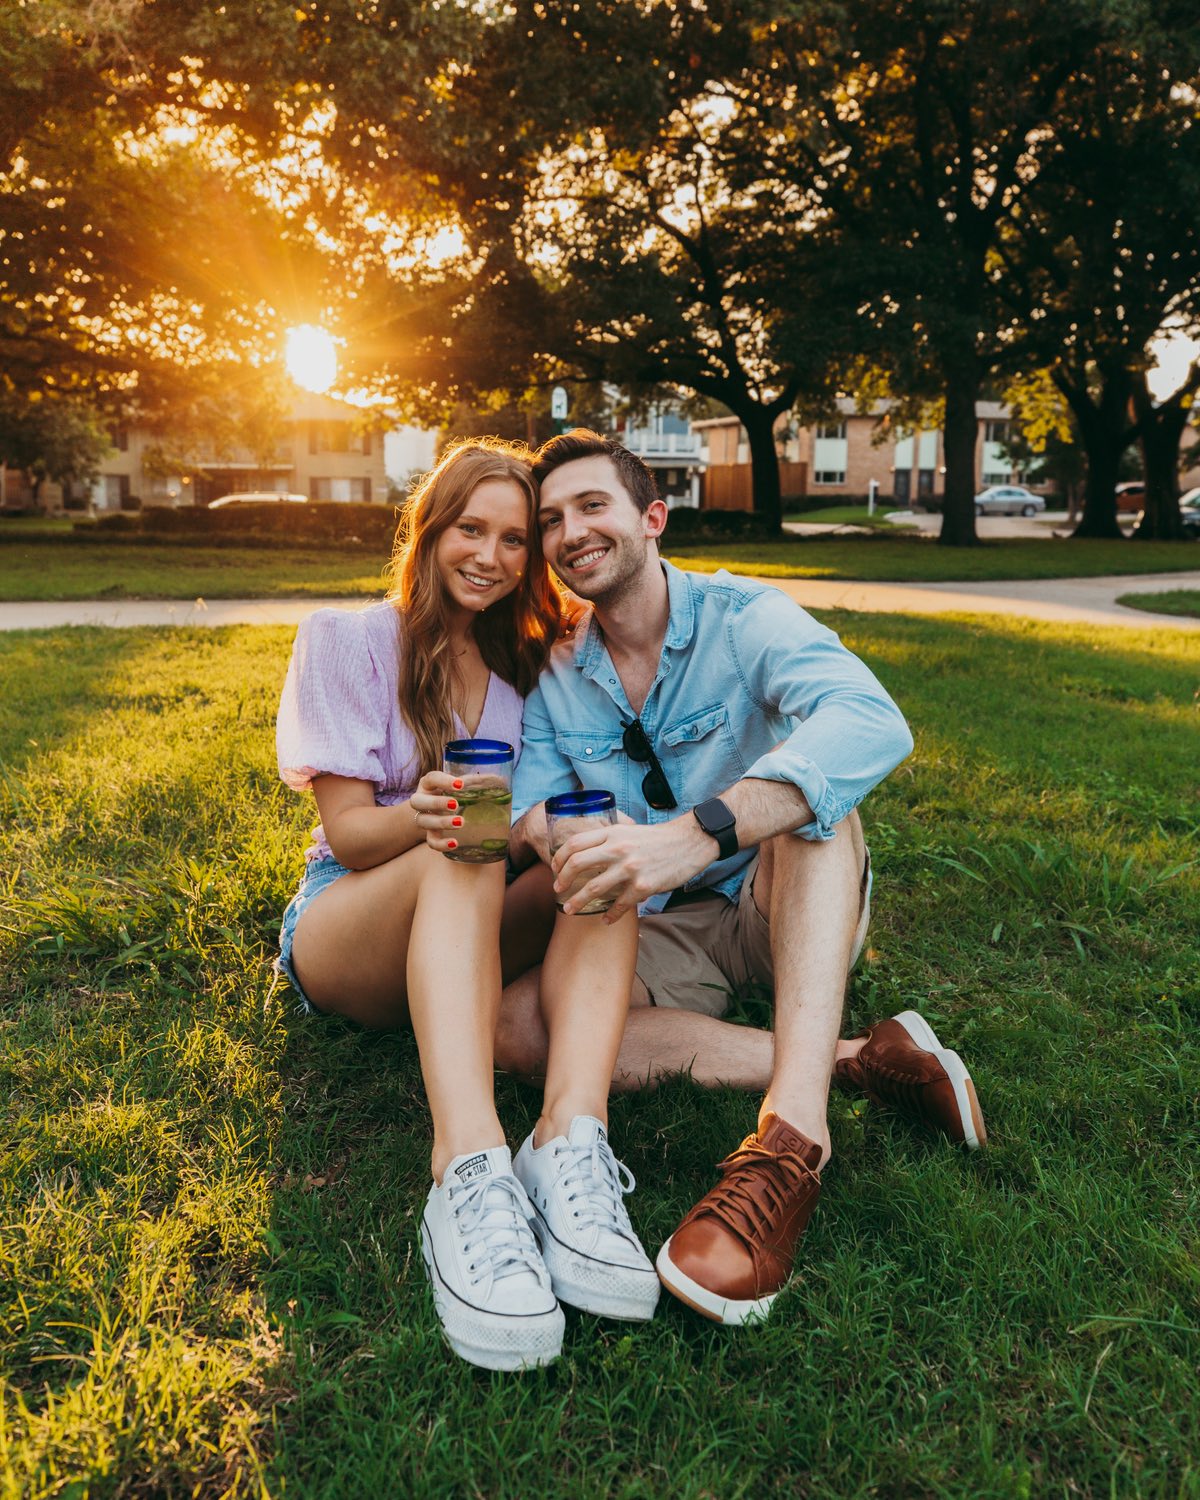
point(316, 524)
point(685, 524)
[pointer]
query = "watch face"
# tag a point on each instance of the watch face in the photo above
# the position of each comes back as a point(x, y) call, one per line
point(714, 817)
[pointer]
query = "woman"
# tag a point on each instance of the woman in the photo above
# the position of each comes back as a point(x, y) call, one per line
point(385, 930)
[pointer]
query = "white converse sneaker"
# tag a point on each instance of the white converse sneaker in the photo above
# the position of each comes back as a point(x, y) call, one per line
point(594, 1258)
point(490, 1287)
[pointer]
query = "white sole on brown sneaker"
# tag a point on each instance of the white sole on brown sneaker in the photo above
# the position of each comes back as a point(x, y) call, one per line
point(965, 1097)
point(727, 1310)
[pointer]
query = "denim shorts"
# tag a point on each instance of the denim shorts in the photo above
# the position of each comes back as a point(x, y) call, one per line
point(318, 875)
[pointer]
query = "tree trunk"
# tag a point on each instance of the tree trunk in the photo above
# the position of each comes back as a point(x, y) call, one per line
point(1160, 429)
point(961, 433)
point(759, 422)
point(1105, 435)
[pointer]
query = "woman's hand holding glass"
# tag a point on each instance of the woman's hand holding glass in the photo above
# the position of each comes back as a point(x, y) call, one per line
point(438, 813)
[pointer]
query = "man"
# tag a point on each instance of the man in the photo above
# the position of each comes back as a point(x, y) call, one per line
point(738, 736)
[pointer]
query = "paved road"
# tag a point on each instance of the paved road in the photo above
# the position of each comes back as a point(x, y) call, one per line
point(1038, 528)
point(1074, 600)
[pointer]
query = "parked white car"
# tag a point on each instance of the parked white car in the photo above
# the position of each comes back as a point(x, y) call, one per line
point(1008, 500)
point(256, 497)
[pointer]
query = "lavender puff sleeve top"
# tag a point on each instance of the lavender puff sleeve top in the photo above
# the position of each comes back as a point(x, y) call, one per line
point(340, 716)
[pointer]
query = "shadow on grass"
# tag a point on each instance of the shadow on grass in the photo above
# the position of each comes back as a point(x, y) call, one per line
point(248, 1184)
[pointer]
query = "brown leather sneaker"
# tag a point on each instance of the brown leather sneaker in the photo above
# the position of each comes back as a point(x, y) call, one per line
point(733, 1253)
point(904, 1067)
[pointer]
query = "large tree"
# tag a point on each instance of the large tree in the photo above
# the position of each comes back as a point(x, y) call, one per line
point(747, 201)
point(61, 439)
point(623, 216)
point(139, 243)
point(1105, 256)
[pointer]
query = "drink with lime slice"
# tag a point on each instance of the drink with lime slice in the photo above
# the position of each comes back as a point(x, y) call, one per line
point(485, 800)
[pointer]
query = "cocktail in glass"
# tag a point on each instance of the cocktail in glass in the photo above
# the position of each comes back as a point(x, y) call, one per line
point(485, 769)
point(579, 812)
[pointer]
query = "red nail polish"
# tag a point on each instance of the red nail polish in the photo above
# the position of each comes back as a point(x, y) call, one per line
point(452, 805)
point(458, 786)
point(457, 822)
point(451, 843)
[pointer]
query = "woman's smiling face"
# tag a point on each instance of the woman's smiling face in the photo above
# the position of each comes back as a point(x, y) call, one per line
point(482, 553)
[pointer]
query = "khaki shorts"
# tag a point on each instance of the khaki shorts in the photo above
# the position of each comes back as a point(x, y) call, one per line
point(694, 956)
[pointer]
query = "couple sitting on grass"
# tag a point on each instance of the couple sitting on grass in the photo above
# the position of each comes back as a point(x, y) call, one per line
point(737, 736)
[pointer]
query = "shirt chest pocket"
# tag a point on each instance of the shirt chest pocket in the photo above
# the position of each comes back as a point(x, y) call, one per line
point(704, 743)
point(593, 753)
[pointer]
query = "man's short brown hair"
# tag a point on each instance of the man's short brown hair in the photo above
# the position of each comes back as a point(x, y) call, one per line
point(581, 442)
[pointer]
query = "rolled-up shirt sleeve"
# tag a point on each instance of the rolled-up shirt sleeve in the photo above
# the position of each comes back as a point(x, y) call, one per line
point(543, 770)
point(850, 734)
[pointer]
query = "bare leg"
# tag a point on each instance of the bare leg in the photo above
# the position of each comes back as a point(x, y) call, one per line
point(453, 999)
point(656, 1044)
point(528, 920)
point(418, 938)
point(584, 989)
point(811, 893)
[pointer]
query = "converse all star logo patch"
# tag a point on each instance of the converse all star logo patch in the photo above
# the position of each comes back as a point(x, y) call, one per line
point(476, 1167)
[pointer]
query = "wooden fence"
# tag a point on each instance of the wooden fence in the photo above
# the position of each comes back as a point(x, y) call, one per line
point(729, 486)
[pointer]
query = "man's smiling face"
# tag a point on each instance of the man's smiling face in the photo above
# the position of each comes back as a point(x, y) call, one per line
point(593, 534)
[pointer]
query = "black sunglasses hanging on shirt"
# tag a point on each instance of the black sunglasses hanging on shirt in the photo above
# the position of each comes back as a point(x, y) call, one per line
point(655, 787)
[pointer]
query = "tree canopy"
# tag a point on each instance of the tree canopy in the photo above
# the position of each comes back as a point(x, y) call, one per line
point(761, 204)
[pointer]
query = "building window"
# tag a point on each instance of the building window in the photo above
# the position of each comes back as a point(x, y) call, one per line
point(337, 437)
point(995, 431)
point(341, 490)
point(924, 482)
point(120, 439)
point(829, 476)
point(831, 430)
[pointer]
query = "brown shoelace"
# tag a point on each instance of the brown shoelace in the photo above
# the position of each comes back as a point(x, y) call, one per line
point(757, 1187)
point(904, 1085)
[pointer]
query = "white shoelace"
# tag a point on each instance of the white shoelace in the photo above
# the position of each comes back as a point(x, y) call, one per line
point(492, 1219)
point(596, 1182)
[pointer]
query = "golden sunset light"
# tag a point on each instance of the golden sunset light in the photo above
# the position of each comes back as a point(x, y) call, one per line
point(311, 357)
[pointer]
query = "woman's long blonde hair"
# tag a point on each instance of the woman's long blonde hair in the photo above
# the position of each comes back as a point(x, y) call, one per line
point(514, 635)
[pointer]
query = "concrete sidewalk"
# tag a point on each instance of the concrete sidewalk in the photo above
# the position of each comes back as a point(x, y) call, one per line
point(1089, 601)
point(1078, 601)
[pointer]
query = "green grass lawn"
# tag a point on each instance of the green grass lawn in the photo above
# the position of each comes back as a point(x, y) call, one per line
point(75, 569)
point(906, 558)
point(1169, 602)
point(69, 567)
point(34, 526)
point(209, 1276)
point(845, 515)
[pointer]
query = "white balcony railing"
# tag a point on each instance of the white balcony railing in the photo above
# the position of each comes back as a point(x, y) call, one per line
point(647, 444)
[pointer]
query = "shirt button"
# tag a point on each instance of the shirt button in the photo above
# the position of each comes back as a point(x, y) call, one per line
point(612, 682)
point(588, 751)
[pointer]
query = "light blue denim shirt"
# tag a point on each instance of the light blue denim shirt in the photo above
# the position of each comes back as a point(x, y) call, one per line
point(749, 685)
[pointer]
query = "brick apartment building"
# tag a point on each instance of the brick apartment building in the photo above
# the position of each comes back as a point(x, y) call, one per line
point(841, 457)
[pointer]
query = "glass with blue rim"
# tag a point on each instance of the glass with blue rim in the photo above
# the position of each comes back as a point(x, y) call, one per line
point(579, 812)
point(485, 768)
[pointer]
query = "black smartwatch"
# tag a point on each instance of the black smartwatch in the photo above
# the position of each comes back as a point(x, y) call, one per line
point(715, 817)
